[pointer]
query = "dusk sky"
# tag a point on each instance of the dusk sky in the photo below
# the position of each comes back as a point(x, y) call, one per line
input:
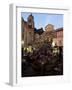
point(42, 19)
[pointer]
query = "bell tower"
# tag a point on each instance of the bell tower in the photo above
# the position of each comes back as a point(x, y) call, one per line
point(30, 30)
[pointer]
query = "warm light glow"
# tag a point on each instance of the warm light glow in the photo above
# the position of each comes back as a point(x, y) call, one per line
point(53, 43)
point(29, 49)
point(22, 42)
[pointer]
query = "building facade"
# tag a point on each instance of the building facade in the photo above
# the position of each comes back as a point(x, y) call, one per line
point(28, 31)
point(59, 37)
